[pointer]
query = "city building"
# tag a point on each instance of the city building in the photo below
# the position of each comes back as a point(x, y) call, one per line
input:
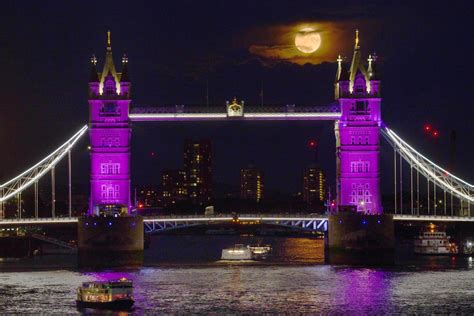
point(173, 187)
point(198, 168)
point(251, 184)
point(147, 196)
point(314, 185)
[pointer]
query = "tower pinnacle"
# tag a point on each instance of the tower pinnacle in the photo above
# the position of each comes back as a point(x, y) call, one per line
point(109, 45)
point(357, 40)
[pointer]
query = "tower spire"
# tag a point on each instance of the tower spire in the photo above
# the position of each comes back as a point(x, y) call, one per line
point(109, 44)
point(109, 67)
point(356, 64)
point(357, 40)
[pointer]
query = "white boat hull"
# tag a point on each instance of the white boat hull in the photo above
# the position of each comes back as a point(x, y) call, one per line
point(236, 254)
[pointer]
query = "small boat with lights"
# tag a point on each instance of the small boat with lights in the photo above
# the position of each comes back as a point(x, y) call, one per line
point(241, 252)
point(434, 243)
point(114, 295)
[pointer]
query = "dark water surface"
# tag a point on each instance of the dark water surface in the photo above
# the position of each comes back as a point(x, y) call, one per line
point(182, 274)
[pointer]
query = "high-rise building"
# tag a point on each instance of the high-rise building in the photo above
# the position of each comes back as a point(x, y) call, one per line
point(198, 168)
point(173, 187)
point(251, 184)
point(146, 196)
point(314, 185)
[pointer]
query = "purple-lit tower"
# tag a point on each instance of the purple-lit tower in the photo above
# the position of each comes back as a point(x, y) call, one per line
point(357, 134)
point(110, 133)
point(359, 232)
point(110, 235)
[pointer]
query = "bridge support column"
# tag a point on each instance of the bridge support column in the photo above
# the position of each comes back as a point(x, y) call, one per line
point(110, 241)
point(360, 238)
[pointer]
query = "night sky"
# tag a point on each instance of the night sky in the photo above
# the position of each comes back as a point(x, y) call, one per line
point(239, 48)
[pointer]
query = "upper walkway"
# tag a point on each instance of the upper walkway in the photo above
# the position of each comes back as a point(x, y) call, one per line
point(216, 113)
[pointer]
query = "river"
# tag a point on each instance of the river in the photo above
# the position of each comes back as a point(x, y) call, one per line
point(182, 274)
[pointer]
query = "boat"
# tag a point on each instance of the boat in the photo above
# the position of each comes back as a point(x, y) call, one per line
point(114, 295)
point(434, 243)
point(241, 252)
point(260, 252)
point(238, 252)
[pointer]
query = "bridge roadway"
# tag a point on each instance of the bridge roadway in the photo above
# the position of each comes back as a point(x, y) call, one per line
point(229, 218)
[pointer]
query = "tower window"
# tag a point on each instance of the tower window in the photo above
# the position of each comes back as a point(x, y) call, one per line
point(110, 168)
point(361, 105)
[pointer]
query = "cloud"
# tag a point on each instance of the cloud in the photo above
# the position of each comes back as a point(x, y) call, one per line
point(276, 43)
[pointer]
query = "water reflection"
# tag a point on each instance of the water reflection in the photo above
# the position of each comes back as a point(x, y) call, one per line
point(364, 290)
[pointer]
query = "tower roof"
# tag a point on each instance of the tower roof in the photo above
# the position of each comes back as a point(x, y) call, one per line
point(109, 63)
point(357, 64)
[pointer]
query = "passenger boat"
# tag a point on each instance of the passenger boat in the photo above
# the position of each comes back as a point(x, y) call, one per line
point(241, 252)
point(115, 295)
point(434, 243)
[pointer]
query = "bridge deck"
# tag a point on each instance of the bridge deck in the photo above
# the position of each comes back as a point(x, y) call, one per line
point(229, 217)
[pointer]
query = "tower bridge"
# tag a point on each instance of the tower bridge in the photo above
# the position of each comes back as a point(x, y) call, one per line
point(357, 117)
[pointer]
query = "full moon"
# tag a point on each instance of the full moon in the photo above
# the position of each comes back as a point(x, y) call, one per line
point(307, 40)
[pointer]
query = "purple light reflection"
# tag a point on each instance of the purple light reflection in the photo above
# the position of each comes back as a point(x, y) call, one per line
point(364, 290)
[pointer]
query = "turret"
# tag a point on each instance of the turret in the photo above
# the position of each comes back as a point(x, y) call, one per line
point(342, 79)
point(373, 76)
point(93, 79)
point(124, 78)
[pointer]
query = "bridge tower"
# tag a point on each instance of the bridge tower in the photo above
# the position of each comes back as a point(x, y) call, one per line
point(110, 133)
point(357, 134)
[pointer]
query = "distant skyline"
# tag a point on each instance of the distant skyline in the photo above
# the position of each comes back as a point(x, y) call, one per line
point(175, 53)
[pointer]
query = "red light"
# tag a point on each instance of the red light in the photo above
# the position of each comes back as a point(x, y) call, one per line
point(435, 133)
point(427, 127)
point(140, 205)
point(312, 143)
point(333, 204)
point(152, 153)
